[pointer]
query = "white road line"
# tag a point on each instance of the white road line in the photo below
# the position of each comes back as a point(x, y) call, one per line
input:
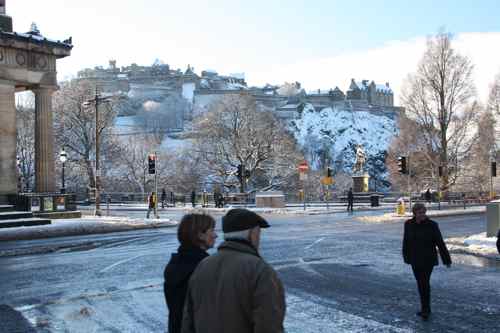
point(316, 242)
point(120, 262)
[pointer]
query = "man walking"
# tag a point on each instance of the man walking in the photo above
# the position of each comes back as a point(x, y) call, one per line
point(235, 290)
point(350, 200)
point(420, 239)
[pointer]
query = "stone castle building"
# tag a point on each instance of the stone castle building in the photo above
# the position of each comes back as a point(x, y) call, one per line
point(201, 90)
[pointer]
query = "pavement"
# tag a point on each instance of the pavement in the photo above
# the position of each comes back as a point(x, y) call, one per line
point(131, 217)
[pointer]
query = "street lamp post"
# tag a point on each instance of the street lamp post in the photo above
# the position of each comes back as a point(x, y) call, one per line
point(63, 158)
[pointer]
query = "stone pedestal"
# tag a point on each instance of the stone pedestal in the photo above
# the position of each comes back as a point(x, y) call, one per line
point(274, 199)
point(360, 182)
point(44, 141)
point(8, 169)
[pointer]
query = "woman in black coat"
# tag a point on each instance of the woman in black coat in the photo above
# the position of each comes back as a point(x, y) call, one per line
point(421, 237)
point(196, 235)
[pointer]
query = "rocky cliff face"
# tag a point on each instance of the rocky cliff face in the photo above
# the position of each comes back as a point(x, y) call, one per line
point(329, 136)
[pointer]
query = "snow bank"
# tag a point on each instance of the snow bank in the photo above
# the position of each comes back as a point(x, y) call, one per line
point(477, 244)
point(83, 226)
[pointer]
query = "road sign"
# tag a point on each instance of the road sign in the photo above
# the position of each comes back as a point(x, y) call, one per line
point(303, 167)
point(327, 180)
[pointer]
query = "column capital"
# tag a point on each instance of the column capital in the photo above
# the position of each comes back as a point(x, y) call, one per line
point(42, 89)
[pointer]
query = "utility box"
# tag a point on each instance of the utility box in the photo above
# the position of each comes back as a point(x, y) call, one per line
point(493, 218)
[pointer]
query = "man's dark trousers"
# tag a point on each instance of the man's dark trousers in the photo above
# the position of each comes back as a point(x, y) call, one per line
point(423, 277)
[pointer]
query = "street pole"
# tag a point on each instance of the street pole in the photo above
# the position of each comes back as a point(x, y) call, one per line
point(63, 189)
point(97, 170)
point(156, 185)
point(439, 192)
point(304, 193)
point(409, 189)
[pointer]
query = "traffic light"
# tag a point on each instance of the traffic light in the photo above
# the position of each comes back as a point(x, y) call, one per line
point(152, 164)
point(239, 172)
point(440, 171)
point(328, 172)
point(493, 169)
point(247, 174)
point(402, 168)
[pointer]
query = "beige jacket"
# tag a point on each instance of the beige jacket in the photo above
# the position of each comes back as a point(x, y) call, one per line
point(234, 291)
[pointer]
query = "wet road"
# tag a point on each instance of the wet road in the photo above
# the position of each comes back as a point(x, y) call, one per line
point(341, 275)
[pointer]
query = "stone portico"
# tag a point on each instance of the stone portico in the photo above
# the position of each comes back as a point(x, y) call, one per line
point(27, 62)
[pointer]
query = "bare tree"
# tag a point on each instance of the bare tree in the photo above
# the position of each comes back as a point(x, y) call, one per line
point(75, 126)
point(476, 168)
point(25, 112)
point(440, 98)
point(421, 156)
point(235, 131)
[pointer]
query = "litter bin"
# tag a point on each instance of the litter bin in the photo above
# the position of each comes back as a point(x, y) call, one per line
point(374, 200)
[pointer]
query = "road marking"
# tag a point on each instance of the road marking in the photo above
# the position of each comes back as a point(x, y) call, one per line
point(316, 242)
point(120, 262)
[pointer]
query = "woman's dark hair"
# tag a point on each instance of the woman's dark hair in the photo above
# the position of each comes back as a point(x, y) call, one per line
point(191, 226)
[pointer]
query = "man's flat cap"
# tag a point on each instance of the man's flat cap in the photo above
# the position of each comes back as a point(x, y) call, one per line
point(242, 219)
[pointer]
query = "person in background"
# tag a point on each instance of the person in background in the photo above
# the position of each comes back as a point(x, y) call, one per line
point(498, 242)
point(420, 239)
point(151, 203)
point(350, 200)
point(193, 198)
point(196, 235)
point(163, 198)
point(428, 196)
point(235, 290)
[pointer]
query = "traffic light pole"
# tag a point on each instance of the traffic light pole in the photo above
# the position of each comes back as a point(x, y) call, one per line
point(156, 185)
point(409, 188)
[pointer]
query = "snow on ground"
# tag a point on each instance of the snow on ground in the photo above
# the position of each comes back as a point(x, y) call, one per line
point(84, 225)
point(140, 308)
point(310, 314)
point(477, 244)
point(393, 217)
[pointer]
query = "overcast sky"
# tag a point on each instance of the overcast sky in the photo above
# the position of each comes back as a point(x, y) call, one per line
point(321, 44)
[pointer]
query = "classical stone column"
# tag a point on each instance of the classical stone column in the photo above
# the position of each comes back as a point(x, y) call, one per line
point(8, 172)
point(44, 141)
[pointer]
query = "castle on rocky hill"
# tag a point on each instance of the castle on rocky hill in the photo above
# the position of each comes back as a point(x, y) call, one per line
point(202, 89)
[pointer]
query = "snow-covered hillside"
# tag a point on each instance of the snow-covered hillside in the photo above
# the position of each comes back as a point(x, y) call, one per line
point(333, 134)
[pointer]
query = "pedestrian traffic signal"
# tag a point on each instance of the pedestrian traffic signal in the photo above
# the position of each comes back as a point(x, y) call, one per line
point(239, 172)
point(402, 168)
point(152, 164)
point(328, 172)
point(493, 169)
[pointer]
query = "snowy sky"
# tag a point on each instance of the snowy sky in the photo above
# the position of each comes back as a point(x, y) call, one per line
point(320, 46)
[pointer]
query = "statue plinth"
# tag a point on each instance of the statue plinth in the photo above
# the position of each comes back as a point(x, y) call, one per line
point(360, 181)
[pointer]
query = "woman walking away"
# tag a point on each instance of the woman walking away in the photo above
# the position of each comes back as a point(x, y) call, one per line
point(421, 237)
point(196, 235)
